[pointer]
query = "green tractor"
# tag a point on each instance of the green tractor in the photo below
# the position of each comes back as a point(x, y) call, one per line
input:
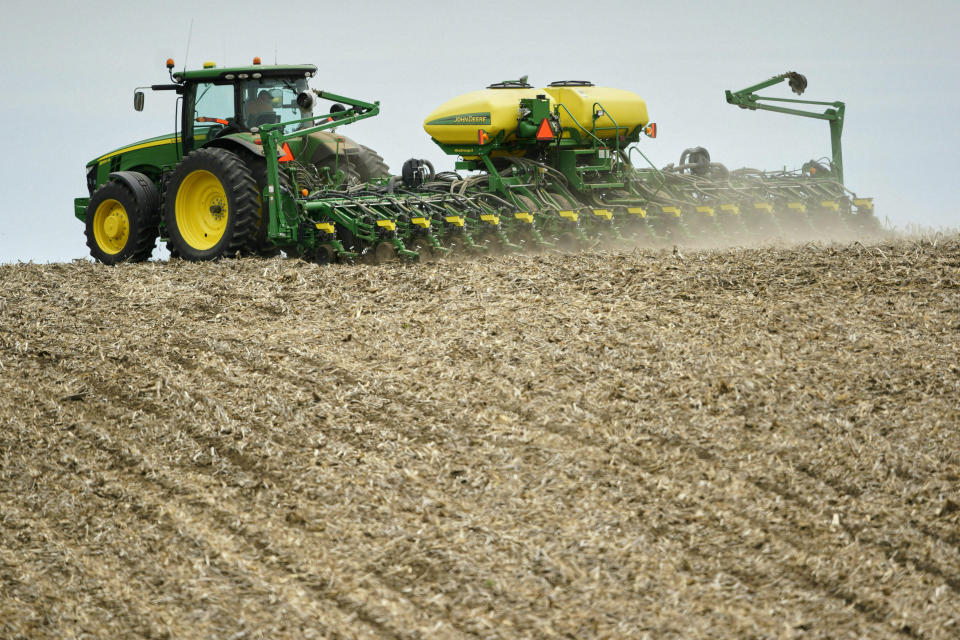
point(201, 188)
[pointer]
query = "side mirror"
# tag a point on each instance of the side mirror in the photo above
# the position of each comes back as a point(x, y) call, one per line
point(138, 100)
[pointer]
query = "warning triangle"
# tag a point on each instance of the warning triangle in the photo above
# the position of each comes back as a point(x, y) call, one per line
point(544, 131)
point(287, 154)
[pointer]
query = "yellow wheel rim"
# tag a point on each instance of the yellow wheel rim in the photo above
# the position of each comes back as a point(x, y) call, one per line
point(111, 226)
point(201, 208)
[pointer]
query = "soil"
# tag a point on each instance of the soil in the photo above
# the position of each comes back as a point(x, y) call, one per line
point(734, 443)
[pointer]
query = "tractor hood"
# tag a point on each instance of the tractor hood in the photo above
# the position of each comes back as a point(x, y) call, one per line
point(159, 146)
point(149, 143)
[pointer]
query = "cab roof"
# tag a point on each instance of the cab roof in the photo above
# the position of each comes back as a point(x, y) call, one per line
point(230, 73)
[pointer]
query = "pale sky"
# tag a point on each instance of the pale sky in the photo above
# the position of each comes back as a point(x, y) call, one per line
point(71, 72)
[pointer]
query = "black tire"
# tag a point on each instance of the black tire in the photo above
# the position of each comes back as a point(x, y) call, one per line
point(120, 227)
point(259, 244)
point(370, 165)
point(210, 206)
point(352, 178)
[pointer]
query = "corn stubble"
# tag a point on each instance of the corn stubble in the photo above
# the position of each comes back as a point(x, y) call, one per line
point(652, 443)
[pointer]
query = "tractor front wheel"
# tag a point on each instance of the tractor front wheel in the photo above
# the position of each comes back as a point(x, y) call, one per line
point(119, 226)
point(211, 207)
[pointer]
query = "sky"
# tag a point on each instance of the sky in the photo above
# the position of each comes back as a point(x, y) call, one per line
point(70, 74)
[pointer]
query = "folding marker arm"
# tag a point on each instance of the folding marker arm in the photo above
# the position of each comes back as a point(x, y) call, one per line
point(834, 114)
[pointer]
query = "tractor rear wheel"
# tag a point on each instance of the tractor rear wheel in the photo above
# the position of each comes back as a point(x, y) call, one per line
point(211, 207)
point(370, 165)
point(120, 227)
point(259, 242)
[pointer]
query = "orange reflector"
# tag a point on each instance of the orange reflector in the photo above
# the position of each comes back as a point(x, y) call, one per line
point(256, 60)
point(217, 120)
point(651, 130)
point(544, 132)
point(258, 141)
point(287, 154)
point(482, 137)
point(304, 193)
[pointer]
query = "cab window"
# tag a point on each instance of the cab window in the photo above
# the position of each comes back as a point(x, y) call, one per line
point(215, 101)
point(271, 100)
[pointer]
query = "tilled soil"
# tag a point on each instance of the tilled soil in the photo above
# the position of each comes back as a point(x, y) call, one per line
point(737, 443)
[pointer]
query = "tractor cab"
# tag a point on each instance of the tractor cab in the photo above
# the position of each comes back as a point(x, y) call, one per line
point(219, 102)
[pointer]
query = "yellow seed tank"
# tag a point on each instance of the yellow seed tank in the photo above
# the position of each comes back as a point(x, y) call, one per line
point(620, 108)
point(460, 120)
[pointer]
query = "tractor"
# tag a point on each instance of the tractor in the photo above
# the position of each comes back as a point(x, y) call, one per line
point(200, 188)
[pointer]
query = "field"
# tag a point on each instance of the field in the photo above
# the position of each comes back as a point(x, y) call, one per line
point(737, 443)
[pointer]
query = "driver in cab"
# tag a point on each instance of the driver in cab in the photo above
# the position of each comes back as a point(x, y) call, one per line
point(260, 110)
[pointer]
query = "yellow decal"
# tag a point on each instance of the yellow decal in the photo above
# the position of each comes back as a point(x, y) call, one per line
point(389, 225)
point(489, 217)
point(603, 213)
point(145, 145)
point(674, 210)
point(455, 220)
point(421, 222)
point(523, 215)
point(573, 216)
point(637, 211)
point(326, 226)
